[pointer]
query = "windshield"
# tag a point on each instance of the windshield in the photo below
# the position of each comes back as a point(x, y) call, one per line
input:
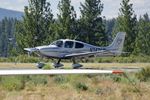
point(58, 43)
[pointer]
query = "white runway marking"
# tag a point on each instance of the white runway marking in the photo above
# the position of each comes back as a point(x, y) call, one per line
point(57, 71)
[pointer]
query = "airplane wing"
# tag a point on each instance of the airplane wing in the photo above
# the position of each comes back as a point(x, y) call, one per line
point(55, 72)
point(96, 53)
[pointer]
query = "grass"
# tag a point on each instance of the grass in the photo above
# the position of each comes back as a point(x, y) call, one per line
point(144, 75)
point(12, 83)
point(83, 87)
point(119, 59)
point(76, 87)
point(60, 79)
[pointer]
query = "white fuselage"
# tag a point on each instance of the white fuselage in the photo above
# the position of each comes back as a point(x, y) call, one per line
point(66, 48)
point(55, 51)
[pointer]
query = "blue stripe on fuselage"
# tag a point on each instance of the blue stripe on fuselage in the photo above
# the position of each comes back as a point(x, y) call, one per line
point(96, 49)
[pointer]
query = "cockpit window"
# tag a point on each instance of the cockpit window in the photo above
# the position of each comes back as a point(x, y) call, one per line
point(58, 43)
point(69, 44)
point(79, 45)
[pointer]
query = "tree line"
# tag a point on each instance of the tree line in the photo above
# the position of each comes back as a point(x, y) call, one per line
point(39, 27)
point(7, 37)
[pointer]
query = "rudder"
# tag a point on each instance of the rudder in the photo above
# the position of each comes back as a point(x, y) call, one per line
point(117, 44)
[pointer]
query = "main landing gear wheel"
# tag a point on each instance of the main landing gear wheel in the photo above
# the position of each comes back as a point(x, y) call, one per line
point(75, 65)
point(40, 65)
point(58, 64)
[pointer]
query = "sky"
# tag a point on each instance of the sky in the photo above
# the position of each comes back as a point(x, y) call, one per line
point(111, 7)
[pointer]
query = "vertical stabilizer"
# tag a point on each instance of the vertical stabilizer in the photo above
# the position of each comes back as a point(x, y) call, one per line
point(117, 44)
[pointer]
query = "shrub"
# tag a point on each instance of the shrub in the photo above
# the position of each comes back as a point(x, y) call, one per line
point(117, 78)
point(3, 59)
point(47, 66)
point(26, 59)
point(23, 59)
point(99, 91)
point(124, 78)
point(12, 83)
point(144, 74)
point(81, 86)
point(118, 59)
point(130, 59)
point(59, 79)
point(38, 79)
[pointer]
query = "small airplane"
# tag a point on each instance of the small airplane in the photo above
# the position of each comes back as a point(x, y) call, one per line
point(72, 49)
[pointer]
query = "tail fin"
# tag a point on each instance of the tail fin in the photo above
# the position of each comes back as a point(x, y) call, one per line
point(117, 44)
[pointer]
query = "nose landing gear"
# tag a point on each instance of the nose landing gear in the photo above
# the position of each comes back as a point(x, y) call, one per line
point(40, 65)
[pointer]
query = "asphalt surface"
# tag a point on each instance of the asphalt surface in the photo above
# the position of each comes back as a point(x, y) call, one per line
point(124, 69)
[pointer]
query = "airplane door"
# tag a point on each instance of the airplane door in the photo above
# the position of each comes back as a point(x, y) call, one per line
point(79, 47)
point(68, 46)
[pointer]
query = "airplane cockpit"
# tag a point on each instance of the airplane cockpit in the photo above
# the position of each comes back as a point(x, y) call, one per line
point(57, 43)
point(68, 44)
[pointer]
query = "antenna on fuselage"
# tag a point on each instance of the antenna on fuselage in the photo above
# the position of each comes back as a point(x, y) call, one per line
point(76, 37)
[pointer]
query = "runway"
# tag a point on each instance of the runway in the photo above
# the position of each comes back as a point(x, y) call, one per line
point(30, 69)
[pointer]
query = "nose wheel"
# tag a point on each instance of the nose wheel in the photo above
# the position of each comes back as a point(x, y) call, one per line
point(40, 65)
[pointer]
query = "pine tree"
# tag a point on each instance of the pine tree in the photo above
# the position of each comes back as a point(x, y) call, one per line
point(11, 37)
point(127, 22)
point(36, 25)
point(146, 17)
point(6, 36)
point(143, 38)
point(91, 23)
point(110, 24)
point(66, 23)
